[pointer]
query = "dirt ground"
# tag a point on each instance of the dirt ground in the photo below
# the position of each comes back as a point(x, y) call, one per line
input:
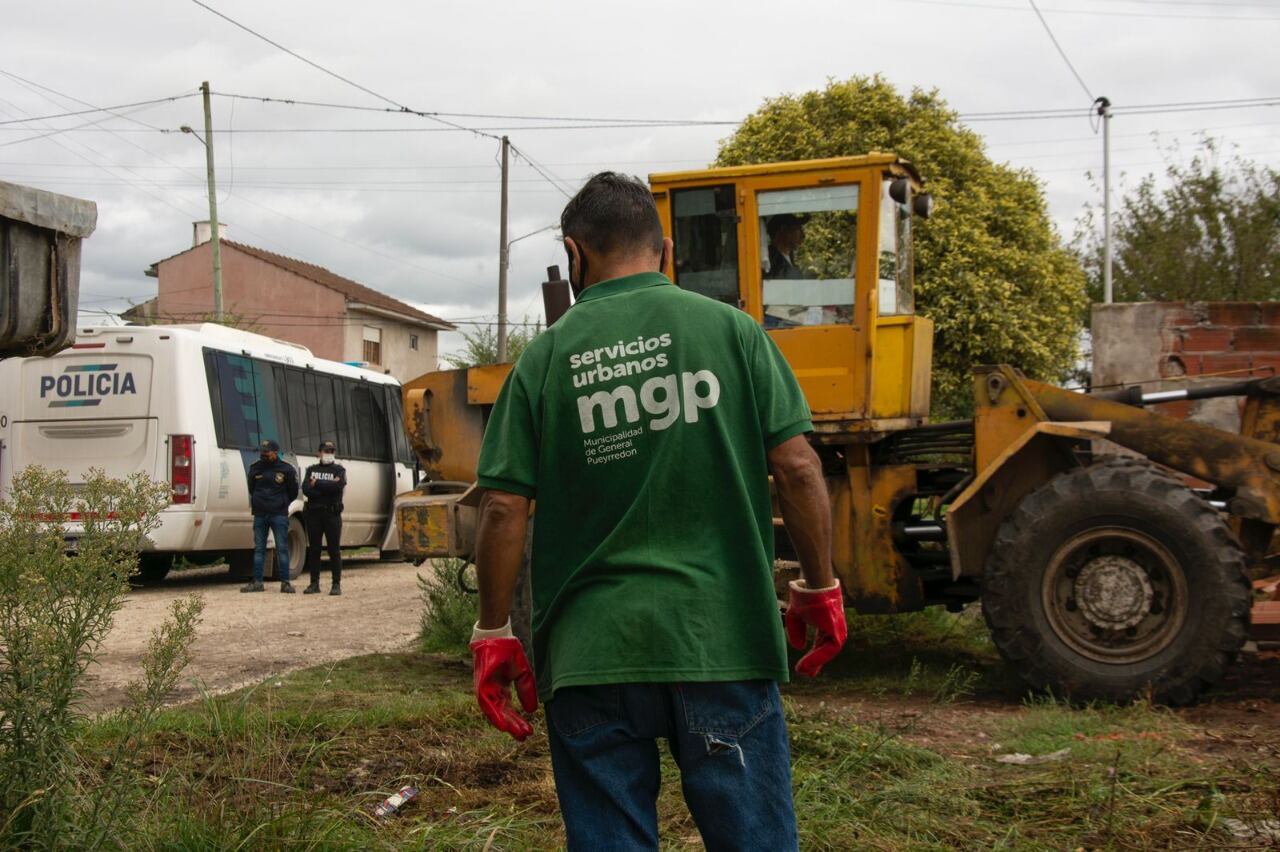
point(1239, 718)
point(245, 638)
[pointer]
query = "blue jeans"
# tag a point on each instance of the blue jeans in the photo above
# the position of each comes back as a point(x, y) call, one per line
point(279, 526)
point(729, 740)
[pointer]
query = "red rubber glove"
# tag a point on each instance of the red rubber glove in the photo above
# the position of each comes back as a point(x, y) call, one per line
point(499, 663)
point(823, 610)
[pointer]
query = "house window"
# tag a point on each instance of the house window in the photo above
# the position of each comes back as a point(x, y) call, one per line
point(372, 345)
point(413, 342)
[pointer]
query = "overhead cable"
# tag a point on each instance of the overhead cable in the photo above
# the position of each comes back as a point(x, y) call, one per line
point(1057, 10)
point(80, 112)
point(1061, 51)
point(486, 115)
point(401, 107)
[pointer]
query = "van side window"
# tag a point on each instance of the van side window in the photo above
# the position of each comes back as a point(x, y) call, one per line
point(399, 439)
point(302, 425)
point(234, 401)
point(253, 400)
point(320, 393)
point(270, 423)
point(369, 421)
point(248, 404)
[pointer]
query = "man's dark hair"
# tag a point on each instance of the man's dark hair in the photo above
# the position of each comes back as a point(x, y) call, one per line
point(782, 221)
point(613, 213)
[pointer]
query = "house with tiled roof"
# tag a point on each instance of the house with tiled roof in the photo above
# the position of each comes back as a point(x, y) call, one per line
point(290, 299)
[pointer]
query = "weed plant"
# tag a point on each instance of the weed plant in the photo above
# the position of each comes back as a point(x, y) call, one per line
point(449, 609)
point(55, 610)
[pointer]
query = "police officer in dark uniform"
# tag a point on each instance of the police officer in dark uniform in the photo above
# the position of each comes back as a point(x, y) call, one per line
point(273, 485)
point(323, 484)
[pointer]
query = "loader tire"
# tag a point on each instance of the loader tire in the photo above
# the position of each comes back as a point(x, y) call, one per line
point(1114, 582)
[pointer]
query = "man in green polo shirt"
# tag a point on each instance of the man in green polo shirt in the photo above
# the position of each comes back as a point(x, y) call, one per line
point(645, 423)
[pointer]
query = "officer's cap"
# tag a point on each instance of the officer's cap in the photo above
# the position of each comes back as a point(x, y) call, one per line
point(328, 447)
point(269, 446)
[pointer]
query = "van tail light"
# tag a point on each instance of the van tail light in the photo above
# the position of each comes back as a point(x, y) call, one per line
point(181, 467)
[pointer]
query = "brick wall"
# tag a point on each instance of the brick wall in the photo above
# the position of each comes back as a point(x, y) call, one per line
point(1187, 343)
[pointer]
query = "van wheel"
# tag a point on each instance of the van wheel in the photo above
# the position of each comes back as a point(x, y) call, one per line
point(152, 568)
point(297, 538)
point(1116, 581)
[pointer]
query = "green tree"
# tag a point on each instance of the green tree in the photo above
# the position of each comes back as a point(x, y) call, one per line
point(482, 345)
point(1210, 231)
point(991, 271)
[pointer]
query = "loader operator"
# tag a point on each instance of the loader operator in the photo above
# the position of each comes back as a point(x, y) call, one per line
point(645, 423)
point(786, 235)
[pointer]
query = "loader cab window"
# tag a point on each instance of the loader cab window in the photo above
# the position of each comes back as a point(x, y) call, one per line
point(808, 252)
point(705, 232)
point(895, 291)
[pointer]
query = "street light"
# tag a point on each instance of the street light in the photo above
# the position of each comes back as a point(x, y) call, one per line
point(215, 242)
point(504, 261)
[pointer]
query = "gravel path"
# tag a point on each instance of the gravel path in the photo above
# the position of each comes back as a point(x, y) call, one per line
point(245, 638)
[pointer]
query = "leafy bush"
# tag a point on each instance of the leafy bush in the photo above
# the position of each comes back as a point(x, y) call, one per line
point(55, 611)
point(449, 612)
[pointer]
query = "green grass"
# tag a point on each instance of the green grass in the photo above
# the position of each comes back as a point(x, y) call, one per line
point(932, 654)
point(890, 751)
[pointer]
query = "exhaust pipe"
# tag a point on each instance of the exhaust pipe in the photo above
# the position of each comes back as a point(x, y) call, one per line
point(555, 295)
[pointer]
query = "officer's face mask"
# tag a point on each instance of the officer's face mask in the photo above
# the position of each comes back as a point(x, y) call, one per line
point(326, 458)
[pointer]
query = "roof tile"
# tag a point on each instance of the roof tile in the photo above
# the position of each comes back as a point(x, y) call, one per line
point(353, 290)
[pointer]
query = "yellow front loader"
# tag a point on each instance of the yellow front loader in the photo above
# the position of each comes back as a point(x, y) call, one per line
point(1101, 576)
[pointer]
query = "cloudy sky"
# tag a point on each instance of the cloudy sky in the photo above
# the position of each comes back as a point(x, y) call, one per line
point(410, 206)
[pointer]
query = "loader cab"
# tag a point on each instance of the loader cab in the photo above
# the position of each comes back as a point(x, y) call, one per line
point(820, 253)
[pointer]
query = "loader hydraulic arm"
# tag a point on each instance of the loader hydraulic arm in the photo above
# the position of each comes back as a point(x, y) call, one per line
point(1246, 464)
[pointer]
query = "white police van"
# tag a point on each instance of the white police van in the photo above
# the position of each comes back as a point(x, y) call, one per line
point(189, 404)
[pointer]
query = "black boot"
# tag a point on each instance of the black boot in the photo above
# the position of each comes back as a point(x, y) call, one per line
point(335, 589)
point(286, 587)
point(313, 589)
point(254, 586)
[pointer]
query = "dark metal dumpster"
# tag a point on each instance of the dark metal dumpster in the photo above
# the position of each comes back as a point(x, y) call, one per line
point(40, 234)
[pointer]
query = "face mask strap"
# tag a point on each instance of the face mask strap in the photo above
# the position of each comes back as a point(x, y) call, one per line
point(577, 285)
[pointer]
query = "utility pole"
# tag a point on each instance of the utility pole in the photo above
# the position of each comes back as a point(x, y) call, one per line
point(504, 253)
point(1104, 110)
point(214, 241)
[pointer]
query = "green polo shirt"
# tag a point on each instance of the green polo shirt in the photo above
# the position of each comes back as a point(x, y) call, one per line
point(639, 422)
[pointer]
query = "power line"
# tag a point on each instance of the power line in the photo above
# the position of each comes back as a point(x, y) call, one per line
point(542, 170)
point(1061, 52)
point(80, 112)
point(107, 168)
point(486, 131)
point(59, 131)
point(408, 167)
point(1010, 115)
point(401, 107)
point(1252, 5)
point(1107, 13)
point(485, 115)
